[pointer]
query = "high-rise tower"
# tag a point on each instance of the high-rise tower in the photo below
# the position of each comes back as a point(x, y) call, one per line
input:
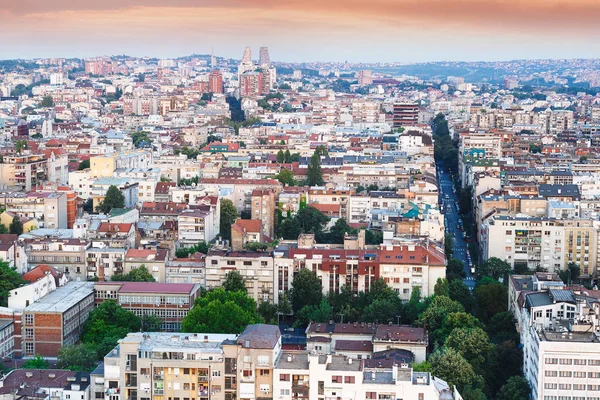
point(247, 58)
point(264, 59)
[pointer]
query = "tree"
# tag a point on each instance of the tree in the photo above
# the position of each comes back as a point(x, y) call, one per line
point(113, 199)
point(570, 274)
point(491, 297)
point(234, 282)
point(452, 322)
point(507, 363)
point(495, 267)
point(284, 307)
point(80, 357)
point(440, 307)
point(3, 229)
point(306, 290)
point(289, 229)
point(311, 220)
point(16, 226)
point(106, 324)
point(88, 206)
point(321, 151)
point(452, 367)
point(219, 311)
point(501, 327)
point(20, 145)
point(280, 157)
point(140, 274)
point(47, 101)
point(516, 388)
point(229, 215)
point(287, 156)
point(338, 232)
point(314, 176)
point(317, 313)
point(268, 312)
point(441, 287)
point(535, 148)
point(286, 177)
point(85, 164)
point(37, 362)
point(461, 293)
point(200, 247)
point(473, 344)
point(151, 323)
point(139, 137)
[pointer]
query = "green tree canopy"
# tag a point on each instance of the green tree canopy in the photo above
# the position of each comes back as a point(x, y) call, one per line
point(452, 322)
point(229, 215)
point(200, 247)
point(151, 323)
point(473, 344)
point(461, 293)
point(9, 280)
point(433, 317)
point(286, 177)
point(220, 311)
point(37, 362)
point(268, 312)
point(113, 199)
point(85, 164)
point(47, 101)
point(106, 324)
point(139, 137)
point(16, 226)
point(452, 367)
point(306, 290)
point(234, 282)
point(491, 297)
point(280, 158)
point(314, 175)
point(317, 313)
point(516, 388)
point(80, 357)
point(140, 274)
point(495, 267)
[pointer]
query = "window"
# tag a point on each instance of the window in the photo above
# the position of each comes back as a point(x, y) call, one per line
point(263, 360)
point(594, 362)
point(28, 319)
point(371, 395)
point(579, 374)
point(551, 373)
point(566, 361)
point(579, 362)
point(284, 377)
point(28, 348)
point(550, 385)
point(564, 386)
point(28, 333)
point(551, 360)
point(336, 379)
point(594, 375)
point(565, 374)
point(285, 392)
point(348, 379)
point(549, 313)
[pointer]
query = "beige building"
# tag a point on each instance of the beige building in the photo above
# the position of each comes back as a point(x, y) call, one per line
point(22, 172)
point(198, 366)
point(105, 166)
point(255, 267)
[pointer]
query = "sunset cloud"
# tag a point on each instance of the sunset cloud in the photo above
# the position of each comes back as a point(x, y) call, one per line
point(402, 26)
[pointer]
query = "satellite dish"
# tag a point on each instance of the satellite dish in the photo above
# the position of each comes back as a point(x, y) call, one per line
point(193, 184)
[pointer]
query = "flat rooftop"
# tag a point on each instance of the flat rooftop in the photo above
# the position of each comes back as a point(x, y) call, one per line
point(293, 360)
point(62, 298)
point(167, 341)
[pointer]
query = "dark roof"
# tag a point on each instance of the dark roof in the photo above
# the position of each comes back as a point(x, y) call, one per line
point(400, 333)
point(562, 295)
point(32, 379)
point(546, 190)
point(387, 359)
point(354, 345)
point(259, 336)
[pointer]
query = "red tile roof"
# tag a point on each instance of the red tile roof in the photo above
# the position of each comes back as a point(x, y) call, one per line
point(114, 227)
point(250, 225)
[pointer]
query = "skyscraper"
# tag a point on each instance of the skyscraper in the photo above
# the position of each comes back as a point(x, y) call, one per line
point(247, 57)
point(264, 60)
point(215, 82)
point(213, 59)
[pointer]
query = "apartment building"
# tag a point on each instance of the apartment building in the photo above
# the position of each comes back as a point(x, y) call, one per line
point(559, 331)
point(105, 165)
point(55, 384)
point(263, 205)
point(104, 262)
point(56, 319)
point(405, 114)
point(168, 301)
point(255, 267)
point(194, 365)
point(300, 375)
point(187, 270)
point(541, 242)
point(346, 339)
point(244, 232)
point(153, 259)
point(112, 234)
point(50, 209)
point(23, 172)
point(7, 339)
point(66, 255)
point(196, 225)
point(128, 188)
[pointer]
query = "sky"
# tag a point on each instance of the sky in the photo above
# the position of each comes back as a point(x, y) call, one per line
point(304, 30)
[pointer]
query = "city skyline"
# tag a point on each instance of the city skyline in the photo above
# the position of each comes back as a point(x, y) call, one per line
point(377, 31)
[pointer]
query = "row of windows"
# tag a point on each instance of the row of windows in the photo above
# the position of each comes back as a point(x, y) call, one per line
point(154, 299)
point(569, 361)
point(570, 398)
point(568, 386)
point(572, 374)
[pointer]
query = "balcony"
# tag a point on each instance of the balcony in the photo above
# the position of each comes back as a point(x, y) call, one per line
point(202, 392)
point(159, 377)
point(203, 378)
point(159, 392)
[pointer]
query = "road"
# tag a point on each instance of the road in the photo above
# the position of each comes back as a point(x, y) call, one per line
point(449, 201)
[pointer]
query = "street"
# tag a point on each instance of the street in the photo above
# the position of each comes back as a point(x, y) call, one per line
point(449, 202)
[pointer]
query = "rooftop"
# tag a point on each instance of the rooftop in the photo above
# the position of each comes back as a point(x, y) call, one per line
point(62, 298)
point(167, 341)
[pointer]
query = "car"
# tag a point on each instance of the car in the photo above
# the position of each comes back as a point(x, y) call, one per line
point(472, 270)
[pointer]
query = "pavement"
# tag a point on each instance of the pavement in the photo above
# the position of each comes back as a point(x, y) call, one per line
point(452, 217)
